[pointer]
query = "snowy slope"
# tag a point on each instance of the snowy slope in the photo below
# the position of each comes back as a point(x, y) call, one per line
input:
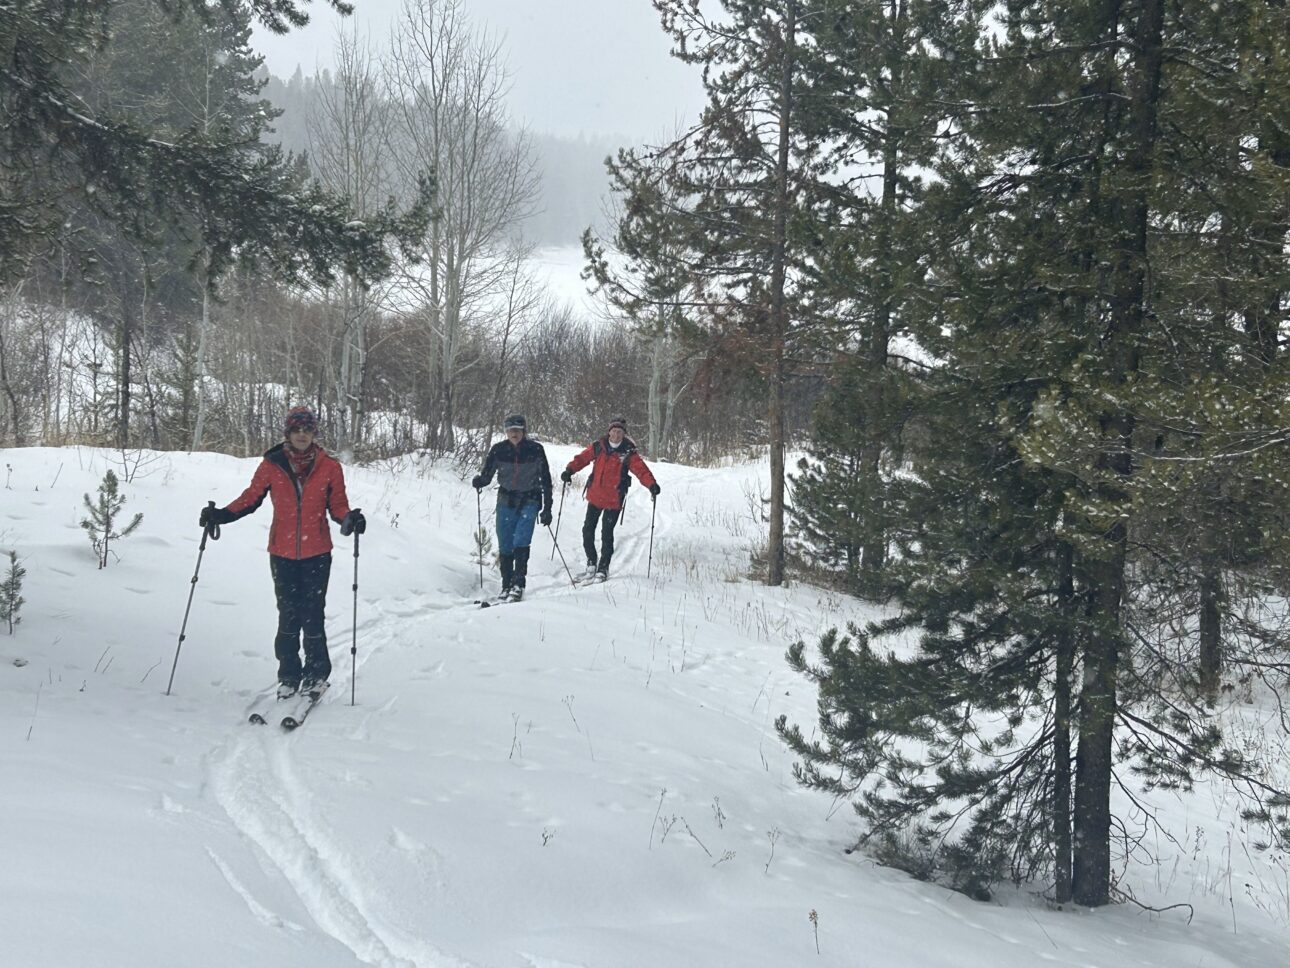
point(588, 779)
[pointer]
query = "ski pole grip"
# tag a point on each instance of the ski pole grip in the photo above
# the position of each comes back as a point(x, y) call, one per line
point(212, 528)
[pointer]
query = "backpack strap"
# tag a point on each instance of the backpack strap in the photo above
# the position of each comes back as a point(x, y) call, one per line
point(628, 449)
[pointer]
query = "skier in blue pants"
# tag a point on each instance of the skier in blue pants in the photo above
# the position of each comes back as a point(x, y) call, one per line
point(524, 497)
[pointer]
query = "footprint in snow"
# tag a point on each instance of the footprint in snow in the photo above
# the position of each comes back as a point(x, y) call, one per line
point(435, 671)
point(405, 843)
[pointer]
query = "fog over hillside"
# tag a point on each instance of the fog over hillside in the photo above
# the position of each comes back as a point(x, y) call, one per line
point(574, 185)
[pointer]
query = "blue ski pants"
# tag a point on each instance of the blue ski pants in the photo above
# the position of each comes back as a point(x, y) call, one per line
point(515, 525)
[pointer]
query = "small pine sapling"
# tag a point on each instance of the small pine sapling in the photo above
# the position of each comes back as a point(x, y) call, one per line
point(11, 599)
point(101, 523)
point(483, 550)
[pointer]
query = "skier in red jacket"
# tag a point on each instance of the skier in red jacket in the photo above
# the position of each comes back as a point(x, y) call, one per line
point(304, 484)
point(612, 457)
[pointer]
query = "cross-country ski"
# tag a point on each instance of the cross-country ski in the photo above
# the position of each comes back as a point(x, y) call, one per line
point(302, 706)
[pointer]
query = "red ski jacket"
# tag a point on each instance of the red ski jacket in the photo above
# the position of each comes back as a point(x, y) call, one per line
point(299, 528)
point(609, 481)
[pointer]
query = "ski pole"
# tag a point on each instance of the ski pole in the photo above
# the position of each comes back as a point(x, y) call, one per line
point(353, 648)
point(556, 537)
point(479, 535)
point(562, 561)
point(653, 507)
point(213, 531)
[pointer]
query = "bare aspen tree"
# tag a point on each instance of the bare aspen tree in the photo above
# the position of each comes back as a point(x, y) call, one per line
point(9, 315)
point(349, 140)
point(521, 302)
point(55, 341)
point(449, 88)
point(668, 380)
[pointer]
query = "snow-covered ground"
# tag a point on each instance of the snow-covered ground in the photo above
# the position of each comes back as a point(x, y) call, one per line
point(588, 778)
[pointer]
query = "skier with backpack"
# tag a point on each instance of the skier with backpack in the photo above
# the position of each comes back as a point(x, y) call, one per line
point(613, 458)
point(305, 484)
point(523, 498)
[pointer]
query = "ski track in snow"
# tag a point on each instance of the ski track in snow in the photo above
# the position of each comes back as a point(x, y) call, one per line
point(258, 910)
point(256, 786)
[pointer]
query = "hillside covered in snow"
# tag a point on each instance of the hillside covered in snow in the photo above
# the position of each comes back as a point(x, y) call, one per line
point(588, 779)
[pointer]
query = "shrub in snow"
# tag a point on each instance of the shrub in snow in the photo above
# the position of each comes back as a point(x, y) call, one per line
point(101, 523)
point(483, 551)
point(11, 592)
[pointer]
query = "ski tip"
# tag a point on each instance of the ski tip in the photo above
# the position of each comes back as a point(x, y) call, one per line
point(258, 719)
point(290, 723)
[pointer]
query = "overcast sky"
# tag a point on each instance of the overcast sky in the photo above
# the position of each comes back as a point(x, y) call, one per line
point(578, 66)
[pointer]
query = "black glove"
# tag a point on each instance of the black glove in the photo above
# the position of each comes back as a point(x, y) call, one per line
point(212, 516)
point(353, 523)
point(654, 489)
point(477, 481)
point(545, 517)
point(566, 475)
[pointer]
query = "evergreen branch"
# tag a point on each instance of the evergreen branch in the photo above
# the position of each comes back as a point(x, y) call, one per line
point(1222, 768)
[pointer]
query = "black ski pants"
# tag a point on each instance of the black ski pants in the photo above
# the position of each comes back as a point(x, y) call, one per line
point(608, 522)
point(301, 589)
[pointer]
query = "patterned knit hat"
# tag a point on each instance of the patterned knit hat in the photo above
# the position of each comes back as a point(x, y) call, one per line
point(300, 418)
point(620, 423)
point(515, 422)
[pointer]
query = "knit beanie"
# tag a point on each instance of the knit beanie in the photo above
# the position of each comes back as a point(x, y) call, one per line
point(300, 418)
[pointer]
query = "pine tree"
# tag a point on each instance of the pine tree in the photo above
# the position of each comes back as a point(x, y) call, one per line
point(101, 522)
point(60, 154)
point(718, 211)
point(878, 74)
point(11, 600)
point(831, 498)
point(1100, 413)
point(482, 553)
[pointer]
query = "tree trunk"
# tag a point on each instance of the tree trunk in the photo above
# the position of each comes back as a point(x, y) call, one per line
point(344, 400)
point(434, 390)
point(874, 542)
point(451, 345)
point(123, 387)
point(1211, 642)
point(778, 316)
point(654, 436)
point(1098, 701)
point(199, 425)
point(1091, 868)
point(15, 412)
point(1065, 670)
